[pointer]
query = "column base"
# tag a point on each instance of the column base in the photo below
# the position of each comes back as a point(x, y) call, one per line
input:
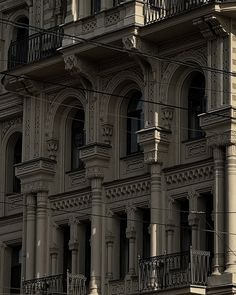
point(224, 284)
point(95, 286)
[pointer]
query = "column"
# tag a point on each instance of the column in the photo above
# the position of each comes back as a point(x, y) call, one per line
point(96, 236)
point(131, 236)
point(74, 244)
point(30, 236)
point(218, 203)
point(54, 248)
point(230, 207)
point(193, 220)
point(41, 234)
point(109, 243)
point(155, 209)
point(170, 237)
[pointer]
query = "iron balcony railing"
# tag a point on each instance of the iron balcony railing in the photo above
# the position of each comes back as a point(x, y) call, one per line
point(34, 48)
point(69, 284)
point(174, 270)
point(156, 10)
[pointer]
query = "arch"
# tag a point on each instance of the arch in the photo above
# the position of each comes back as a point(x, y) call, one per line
point(66, 99)
point(13, 155)
point(118, 85)
point(14, 17)
point(171, 75)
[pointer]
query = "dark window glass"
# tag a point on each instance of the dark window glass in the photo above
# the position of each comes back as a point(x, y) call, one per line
point(15, 270)
point(95, 6)
point(146, 234)
point(77, 139)
point(134, 121)
point(17, 160)
point(196, 106)
point(185, 229)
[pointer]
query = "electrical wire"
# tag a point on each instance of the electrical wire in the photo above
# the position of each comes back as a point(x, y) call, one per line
point(113, 47)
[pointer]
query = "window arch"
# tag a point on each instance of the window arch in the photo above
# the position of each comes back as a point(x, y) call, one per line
point(135, 119)
point(77, 139)
point(196, 105)
point(13, 157)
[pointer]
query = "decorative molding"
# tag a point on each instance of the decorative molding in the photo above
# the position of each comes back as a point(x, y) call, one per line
point(189, 176)
point(89, 25)
point(10, 123)
point(82, 201)
point(128, 190)
point(167, 115)
point(107, 132)
point(131, 166)
point(196, 149)
point(112, 18)
point(52, 147)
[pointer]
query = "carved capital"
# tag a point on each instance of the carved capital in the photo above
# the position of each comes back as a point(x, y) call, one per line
point(96, 158)
point(193, 219)
point(130, 233)
point(155, 142)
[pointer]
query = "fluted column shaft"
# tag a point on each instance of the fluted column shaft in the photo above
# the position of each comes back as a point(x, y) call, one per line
point(230, 207)
point(41, 234)
point(96, 236)
point(218, 203)
point(30, 236)
point(155, 209)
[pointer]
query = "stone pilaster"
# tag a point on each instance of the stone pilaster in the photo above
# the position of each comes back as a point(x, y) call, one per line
point(96, 158)
point(30, 236)
point(155, 144)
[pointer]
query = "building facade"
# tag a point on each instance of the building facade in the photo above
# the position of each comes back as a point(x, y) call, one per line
point(118, 147)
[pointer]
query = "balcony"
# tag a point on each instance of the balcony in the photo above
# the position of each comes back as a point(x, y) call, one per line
point(157, 10)
point(174, 271)
point(34, 48)
point(57, 284)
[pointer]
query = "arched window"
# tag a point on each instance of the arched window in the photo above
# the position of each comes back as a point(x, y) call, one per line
point(196, 105)
point(135, 120)
point(17, 160)
point(13, 157)
point(77, 139)
point(18, 50)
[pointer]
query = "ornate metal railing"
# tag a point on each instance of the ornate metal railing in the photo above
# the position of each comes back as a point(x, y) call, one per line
point(156, 10)
point(174, 270)
point(46, 285)
point(76, 284)
point(34, 48)
point(58, 284)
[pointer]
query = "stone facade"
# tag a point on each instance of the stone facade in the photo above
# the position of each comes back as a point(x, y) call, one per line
point(117, 123)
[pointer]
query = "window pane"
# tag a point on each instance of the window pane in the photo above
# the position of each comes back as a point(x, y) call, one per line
point(77, 139)
point(134, 121)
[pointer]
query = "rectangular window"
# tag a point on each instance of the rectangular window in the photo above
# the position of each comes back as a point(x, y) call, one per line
point(95, 6)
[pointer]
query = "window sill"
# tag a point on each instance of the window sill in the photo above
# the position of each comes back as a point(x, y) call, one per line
point(194, 140)
point(129, 156)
